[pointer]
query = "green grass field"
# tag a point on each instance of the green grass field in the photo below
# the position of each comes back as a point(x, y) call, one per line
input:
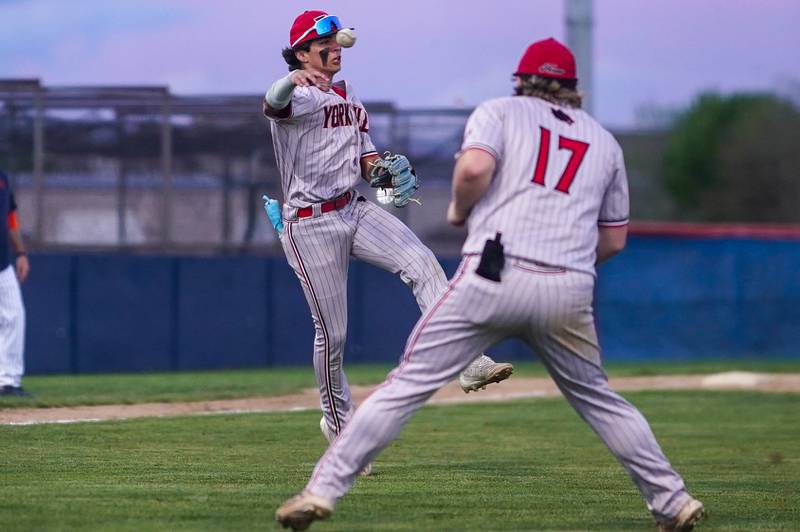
point(526, 465)
point(71, 390)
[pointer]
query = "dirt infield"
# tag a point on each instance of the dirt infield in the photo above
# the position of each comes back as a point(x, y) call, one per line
point(515, 388)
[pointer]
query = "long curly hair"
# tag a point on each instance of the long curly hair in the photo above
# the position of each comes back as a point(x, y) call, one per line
point(559, 91)
point(291, 59)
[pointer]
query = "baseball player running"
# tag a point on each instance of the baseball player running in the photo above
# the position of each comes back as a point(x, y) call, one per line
point(12, 311)
point(320, 133)
point(544, 191)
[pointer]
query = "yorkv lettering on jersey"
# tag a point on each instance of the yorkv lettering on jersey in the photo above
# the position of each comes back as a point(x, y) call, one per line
point(344, 114)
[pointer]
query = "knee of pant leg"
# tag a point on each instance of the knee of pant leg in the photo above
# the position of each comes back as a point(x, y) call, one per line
point(325, 332)
point(426, 265)
point(431, 260)
point(333, 339)
point(338, 339)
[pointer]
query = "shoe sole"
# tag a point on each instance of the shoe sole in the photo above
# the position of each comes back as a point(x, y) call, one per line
point(302, 518)
point(500, 373)
point(698, 514)
point(688, 524)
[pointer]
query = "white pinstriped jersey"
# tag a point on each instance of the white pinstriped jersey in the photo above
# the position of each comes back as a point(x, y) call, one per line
point(319, 144)
point(559, 175)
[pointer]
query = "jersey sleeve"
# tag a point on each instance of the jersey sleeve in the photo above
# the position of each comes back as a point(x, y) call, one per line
point(367, 146)
point(614, 212)
point(303, 103)
point(484, 130)
point(12, 221)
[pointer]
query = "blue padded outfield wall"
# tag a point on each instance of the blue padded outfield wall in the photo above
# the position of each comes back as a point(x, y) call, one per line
point(662, 298)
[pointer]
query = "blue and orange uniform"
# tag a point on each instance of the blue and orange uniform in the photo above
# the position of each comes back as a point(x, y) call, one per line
point(12, 311)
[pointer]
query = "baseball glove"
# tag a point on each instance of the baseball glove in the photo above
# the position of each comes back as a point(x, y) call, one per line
point(394, 171)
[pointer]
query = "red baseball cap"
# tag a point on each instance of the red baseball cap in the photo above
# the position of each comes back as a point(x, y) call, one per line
point(548, 58)
point(310, 25)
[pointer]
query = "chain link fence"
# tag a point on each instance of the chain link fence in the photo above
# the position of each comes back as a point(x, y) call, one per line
point(138, 168)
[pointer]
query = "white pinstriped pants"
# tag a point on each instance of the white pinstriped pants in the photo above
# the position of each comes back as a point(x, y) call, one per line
point(12, 329)
point(550, 310)
point(318, 250)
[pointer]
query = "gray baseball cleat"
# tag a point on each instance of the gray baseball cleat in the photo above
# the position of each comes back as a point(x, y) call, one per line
point(301, 510)
point(689, 515)
point(482, 372)
point(330, 436)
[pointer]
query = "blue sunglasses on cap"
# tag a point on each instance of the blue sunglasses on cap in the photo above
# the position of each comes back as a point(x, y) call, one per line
point(322, 26)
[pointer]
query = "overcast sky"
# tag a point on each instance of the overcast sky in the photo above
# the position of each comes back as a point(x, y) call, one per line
point(417, 53)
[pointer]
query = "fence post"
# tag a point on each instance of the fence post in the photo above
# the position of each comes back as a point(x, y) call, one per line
point(38, 163)
point(226, 201)
point(166, 169)
point(122, 180)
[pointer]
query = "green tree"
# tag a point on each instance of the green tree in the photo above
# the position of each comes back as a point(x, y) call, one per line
point(736, 158)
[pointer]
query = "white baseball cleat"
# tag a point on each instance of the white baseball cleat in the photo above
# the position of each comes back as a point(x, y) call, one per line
point(330, 436)
point(689, 515)
point(326, 431)
point(301, 510)
point(482, 372)
point(367, 471)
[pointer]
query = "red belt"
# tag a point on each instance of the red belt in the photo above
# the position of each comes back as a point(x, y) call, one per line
point(328, 206)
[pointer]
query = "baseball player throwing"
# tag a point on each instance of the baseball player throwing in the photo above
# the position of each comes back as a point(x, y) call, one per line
point(544, 191)
point(320, 133)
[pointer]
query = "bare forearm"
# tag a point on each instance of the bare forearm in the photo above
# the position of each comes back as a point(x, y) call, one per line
point(610, 241)
point(22, 266)
point(15, 237)
point(471, 178)
point(467, 190)
point(603, 254)
point(366, 166)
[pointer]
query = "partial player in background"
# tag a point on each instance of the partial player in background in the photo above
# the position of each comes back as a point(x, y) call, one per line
point(12, 311)
point(320, 132)
point(544, 191)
